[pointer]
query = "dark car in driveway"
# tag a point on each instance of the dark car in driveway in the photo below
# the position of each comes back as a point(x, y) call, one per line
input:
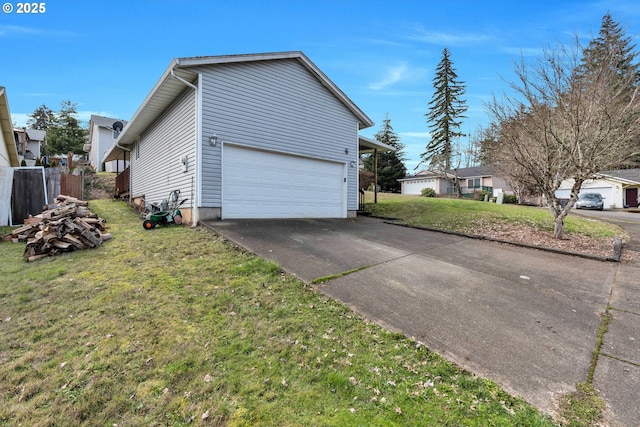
point(590, 201)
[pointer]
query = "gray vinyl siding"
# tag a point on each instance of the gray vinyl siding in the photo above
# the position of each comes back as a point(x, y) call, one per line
point(156, 169)
point(273, 105)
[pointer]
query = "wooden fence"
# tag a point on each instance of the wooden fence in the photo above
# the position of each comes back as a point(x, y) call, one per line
point(72, 185)
point(34, 187)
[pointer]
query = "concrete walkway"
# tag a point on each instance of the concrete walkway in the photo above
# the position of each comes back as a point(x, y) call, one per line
point(527, 319)
point(617, 374)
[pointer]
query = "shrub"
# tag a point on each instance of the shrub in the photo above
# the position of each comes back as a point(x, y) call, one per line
point(428, 192)
point(510, 198)
point(479, 195)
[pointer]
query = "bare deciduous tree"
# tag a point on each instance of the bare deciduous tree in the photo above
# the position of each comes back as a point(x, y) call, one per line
point(563, 125)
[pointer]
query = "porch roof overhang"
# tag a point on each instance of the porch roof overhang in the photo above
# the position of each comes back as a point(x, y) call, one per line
point(369, 146)
point(169, 87)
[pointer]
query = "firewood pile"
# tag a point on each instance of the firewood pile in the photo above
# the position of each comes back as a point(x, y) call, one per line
point(68, 227)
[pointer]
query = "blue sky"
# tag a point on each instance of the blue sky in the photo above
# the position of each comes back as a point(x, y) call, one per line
point(107, 55)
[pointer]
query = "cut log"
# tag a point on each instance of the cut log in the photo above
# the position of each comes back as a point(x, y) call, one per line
point(61, 245)
point(95, 241)
point(37, 257)
point(74, 241)
point(69, 226)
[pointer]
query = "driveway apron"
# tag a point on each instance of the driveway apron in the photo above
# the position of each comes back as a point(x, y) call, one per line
point(527, 319)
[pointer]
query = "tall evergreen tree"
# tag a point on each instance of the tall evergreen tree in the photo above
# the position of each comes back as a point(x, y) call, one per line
point(614, 50)
point(390, 164)
point(446, 109)
point(66, 134)
point(42, 118)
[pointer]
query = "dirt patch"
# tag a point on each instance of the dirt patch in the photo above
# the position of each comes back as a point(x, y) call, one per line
point(100, 185)
point(528, 235)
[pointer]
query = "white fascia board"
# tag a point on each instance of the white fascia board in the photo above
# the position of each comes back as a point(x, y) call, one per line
point(371, 144)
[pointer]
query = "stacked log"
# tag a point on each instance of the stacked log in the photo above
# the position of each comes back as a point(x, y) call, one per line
point(68, 227)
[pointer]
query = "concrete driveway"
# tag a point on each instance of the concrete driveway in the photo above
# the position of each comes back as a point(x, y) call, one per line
point(628, 220)
point(527, 319)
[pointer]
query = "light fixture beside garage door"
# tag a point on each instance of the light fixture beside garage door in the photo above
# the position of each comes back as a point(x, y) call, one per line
point(213, 140)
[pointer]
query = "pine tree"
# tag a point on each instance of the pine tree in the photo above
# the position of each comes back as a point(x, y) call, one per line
point(65, 135)
point(390, 163)
point(614, 50)
point(42, 118)
point(446, 108)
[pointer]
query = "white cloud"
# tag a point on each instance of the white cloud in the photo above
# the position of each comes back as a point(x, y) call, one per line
point(393, 75)
point(17, 30)
point(449, 39)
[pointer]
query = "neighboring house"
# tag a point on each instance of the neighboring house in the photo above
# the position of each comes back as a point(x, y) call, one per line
point(620, 188)
point(247, 136)
point(29, 144)
point(479, 178)
point(8, 151)
point(440, 182)
point(101, 138)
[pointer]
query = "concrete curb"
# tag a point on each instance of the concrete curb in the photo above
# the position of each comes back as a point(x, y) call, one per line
point(614, 257)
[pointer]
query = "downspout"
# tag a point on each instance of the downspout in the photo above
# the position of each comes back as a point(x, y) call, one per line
point(195, 212)
point(191, 85)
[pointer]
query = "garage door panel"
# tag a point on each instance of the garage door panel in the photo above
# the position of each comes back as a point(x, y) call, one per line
point(258, 184)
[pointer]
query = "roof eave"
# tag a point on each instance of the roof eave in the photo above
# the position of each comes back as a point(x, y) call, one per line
point(145, 115)
point(363, 120)
point(368, 146)
point(156, 101)
point(7, 128)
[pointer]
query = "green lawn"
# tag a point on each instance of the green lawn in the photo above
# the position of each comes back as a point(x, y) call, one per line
point(177, 327)
point(459, 214)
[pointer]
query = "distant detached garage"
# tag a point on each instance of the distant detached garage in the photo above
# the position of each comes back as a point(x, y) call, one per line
point(247, 136)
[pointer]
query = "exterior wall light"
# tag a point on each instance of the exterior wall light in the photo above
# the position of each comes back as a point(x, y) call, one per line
point(213, 140)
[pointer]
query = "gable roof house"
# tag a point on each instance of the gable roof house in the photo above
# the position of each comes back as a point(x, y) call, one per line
point(247, 136)
point(478, 178)
point(101, 138)
point(29, 143)
point(619, 188)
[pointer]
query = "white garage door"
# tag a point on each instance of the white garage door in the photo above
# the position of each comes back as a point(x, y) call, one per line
point(606, 192)
point(415, 187)
point(259, 184)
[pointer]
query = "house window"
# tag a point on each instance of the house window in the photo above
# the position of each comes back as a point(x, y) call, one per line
point(473, 183)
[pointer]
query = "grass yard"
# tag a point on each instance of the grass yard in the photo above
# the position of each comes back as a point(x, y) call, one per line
point(462, 214)
point(177, 327)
